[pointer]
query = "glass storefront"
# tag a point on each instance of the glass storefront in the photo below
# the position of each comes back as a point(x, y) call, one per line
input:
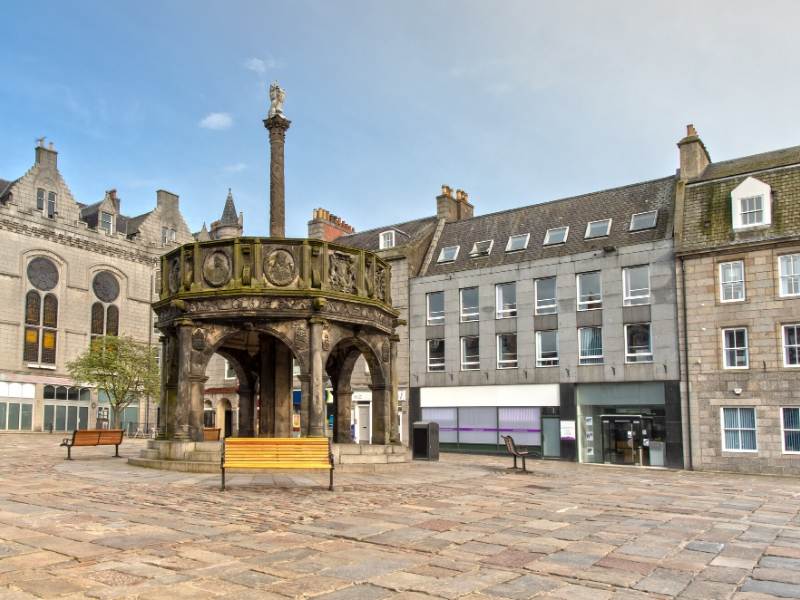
point(16, 406)
point(623, 424)
point(66, 408)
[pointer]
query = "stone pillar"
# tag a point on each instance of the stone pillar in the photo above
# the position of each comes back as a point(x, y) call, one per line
point(342, 424)
point(282, 401)
point(380, 417)
point(169, 387)
point(197, 392)
point(183, 404)
point(277, 126)
point(246, 406)
point(316, 417)
point(394, 425)
point(266, 400)
point(305, 403)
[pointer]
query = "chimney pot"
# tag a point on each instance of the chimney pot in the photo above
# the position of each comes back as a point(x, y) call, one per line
point(690, 130)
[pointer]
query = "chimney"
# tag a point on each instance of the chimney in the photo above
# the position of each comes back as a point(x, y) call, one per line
point(112, 195)
point(327, 227)
point(46, 157)
point(453, 208)
point(693, 154)
point(166, 201)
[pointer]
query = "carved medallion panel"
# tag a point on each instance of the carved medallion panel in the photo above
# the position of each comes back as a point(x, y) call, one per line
point(43, 273)
point(105, 286)
point(217, 268)
point(280, 267)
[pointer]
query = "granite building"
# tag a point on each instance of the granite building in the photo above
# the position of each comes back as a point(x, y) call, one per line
point(554, 323)
point(738, 274)
point(71, 271)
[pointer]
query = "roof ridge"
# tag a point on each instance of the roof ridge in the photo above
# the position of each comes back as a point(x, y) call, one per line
point(751, 156)
point(392, 226)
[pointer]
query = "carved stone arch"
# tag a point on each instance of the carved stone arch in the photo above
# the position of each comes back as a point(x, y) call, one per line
point(300, 353)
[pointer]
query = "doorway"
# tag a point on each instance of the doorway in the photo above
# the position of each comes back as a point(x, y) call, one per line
point(362, 420)
point(622, 439)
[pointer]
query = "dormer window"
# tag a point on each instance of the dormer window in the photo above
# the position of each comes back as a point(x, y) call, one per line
point(750, 204)
point(645, 220)
point(448, 254)
point(483, 248)
point(517, 242)
point(386, 240)
point(40, 199)
point(596, 229)
point(168, 235)
point(106, 222)
point(51, 205)
point(557, 235)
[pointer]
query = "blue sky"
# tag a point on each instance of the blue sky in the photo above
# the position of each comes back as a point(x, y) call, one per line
point(515, 102)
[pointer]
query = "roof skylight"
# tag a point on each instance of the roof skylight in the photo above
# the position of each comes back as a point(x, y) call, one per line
point(517, 242)
point(556, 235)
point(482, 248)
point(597, 228)
point(448, 254)
point(645, 220)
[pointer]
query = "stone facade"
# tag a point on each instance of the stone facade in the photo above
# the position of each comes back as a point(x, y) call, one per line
point(758, 379)
point(52, 245)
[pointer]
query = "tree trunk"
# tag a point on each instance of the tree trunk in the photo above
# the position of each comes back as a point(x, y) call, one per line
point(116, 416)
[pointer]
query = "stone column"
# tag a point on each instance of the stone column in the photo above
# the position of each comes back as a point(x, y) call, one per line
point(316, 417)
point(197, 392)
point(266, 400)
point(282, 401)
point(183, 404)
point(305, 403)
point(380, 417)
point(394, 426)
point(246, 406)
point(342, 423)
point(277, 126)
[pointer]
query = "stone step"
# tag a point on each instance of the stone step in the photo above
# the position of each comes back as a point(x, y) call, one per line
point(204, 456)
point(366, 449)
point(176, 465)
point(149, 454)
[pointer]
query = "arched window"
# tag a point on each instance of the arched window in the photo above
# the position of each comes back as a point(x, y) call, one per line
point(105, 315)
point(41, 313)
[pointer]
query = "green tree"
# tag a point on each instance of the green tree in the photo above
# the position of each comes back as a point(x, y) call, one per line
point(121, 367)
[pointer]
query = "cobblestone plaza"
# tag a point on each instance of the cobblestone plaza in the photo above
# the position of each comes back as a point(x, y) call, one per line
point(466, 527)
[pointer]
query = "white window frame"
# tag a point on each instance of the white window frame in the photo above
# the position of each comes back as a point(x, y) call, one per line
point(785, 347)
point(751, 188)
point(758, 208)
point(442, 258)
point(383, 236)
point(593, 357)
point(586, 235)
point(474, 365)
point(789, 277)
point(783, 430)
point(527, 237)
point(504, 313)
point(627, 298)
point(544, 309)
point(631, 357)
point(438, 319)
point(746, 349)
point(463, 318)
point(434, 368)
point(228, 369)
point(474, 252)
point(550, 362)
point(723, 283)
point(500, 363)
point(722, 429)
point(583, 304)
point(648, 212)
point(547, 241)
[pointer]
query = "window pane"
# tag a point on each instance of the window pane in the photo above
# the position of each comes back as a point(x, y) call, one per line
point(477, 425)
point(556, 235)
point(507, 350)
point(589, 291)
point(72, 418)
point(3, 407)
point(435, 308)
point(32, 308)
point(112, 320)
point(732, 440)
point(546, 303)
point(13, 416)
point(791, 418)
point(598, 228)
point(49, 347)
point(748, 439)
point(507, 299)
point(517, 242)
point(86, 394)
point(470, 353)
point(31, 351)
point(436, 355)
point(546, 348)
point(747, 418)
point(790, 274)
point(644, 220)
point(792, 441)
point(61, 393)
point(72, 393)
point(638, 346)
point(61, 418)
point(49, 392)
point(446, 418)
point(469, 304)
point(50, 311)
point(637, 285)
point(524, 424)
point(448, 254)
point(49, 415)
point(83, 417)
point(97, 319)
point(591, 345)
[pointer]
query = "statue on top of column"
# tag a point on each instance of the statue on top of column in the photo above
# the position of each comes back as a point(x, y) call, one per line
point(277, 97)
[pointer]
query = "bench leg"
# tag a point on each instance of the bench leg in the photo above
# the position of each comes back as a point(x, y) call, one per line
point(523, 464)
point(515, 462)
point(116, 453)
point(69, 452)
point(222, 487)
point(330, 486)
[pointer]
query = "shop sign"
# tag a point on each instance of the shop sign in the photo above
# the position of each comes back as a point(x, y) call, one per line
point(567, 430)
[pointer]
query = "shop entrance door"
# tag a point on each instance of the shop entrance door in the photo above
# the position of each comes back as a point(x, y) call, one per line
point(363, 423)
point(622, 439)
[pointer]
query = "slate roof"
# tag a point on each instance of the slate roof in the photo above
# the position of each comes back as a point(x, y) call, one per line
point(406, 232)
point(619, 204)
point(749, 164)
point(229, 216)
point(4, 187)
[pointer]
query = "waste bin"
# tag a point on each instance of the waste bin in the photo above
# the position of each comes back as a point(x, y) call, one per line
point(425, 442)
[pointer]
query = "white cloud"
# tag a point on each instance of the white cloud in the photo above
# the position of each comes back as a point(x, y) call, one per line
point(260, 66)
point(235, 168)
point(216, 121)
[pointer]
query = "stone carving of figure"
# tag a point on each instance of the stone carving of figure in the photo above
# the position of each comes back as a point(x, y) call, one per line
point(276, 97)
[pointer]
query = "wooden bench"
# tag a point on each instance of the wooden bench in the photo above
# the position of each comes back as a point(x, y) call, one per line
point(211, 434)
point(277, 453)
point(93, 437)
point(515, 452)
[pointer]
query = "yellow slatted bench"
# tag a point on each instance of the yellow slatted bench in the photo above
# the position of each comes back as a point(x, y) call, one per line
point(277, 453)
point(93, 437)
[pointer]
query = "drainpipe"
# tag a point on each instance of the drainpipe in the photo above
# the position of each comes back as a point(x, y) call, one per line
point(689, 464)
point(150, 347)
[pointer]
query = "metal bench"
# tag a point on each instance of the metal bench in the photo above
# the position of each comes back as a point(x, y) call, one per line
point(93, 437)
point(516, 452)
point(277, 453)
